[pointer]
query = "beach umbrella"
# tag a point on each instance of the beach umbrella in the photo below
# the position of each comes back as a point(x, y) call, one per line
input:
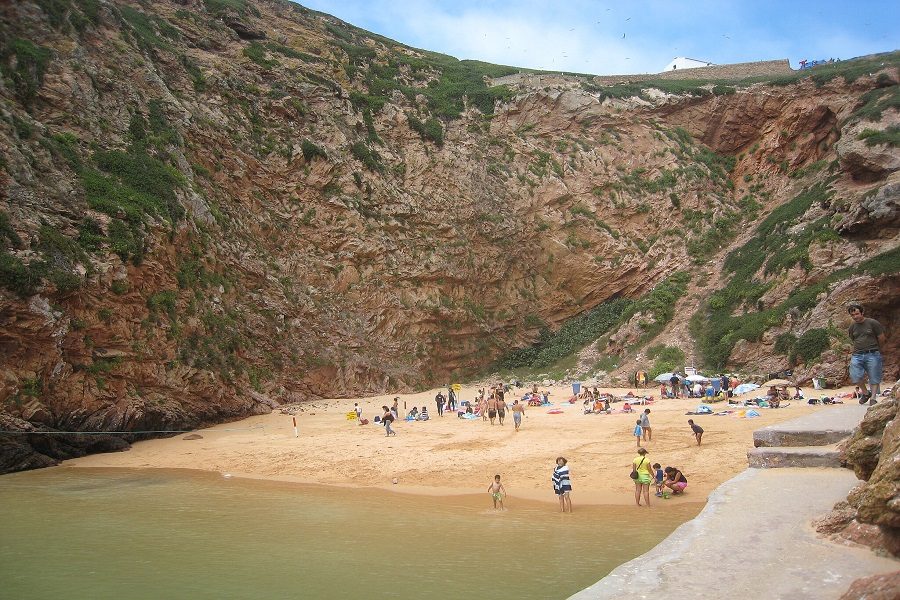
point(664, 378)
point(697, 378)
point(745, 387)
point(777, 383)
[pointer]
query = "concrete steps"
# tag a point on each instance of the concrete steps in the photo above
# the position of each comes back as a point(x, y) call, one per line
point(808, 441)
point(776, 457)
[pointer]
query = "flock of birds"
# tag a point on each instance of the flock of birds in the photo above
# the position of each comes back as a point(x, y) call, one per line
point(587, 60)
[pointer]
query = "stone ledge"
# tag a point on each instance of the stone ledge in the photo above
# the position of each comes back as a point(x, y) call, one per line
point(806, 456)
point(822, 428)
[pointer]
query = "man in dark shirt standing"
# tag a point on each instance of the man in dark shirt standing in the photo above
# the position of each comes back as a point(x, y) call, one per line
point(867, 336)
point(439, 400)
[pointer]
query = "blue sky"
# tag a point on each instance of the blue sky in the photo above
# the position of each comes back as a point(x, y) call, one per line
point(640, 36)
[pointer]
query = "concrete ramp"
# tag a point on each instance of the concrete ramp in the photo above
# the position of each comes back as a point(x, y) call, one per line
point(752, 540)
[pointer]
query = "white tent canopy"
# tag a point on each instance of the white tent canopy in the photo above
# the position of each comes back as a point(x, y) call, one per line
point(665, 377)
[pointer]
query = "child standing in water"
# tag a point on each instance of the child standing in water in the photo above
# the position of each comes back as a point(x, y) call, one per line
point(562, 485)
point(497, 491)
point(637, 432)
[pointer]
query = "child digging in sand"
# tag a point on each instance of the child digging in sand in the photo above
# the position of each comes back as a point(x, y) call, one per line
point(698, 431)
point(497, 492)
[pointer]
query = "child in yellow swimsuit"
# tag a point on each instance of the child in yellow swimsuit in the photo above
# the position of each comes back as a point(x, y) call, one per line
point(496, 491)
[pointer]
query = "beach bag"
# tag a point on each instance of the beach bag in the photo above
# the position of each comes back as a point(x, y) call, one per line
point(634, 473)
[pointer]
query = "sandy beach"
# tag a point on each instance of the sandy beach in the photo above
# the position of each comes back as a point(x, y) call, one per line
point(449, 456)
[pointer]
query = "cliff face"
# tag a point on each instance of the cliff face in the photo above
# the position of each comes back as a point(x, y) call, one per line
point(208, 207)
point(871, 513)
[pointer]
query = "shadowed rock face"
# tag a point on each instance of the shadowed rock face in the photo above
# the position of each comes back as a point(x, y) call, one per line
point(209, 208)
point(244, 31)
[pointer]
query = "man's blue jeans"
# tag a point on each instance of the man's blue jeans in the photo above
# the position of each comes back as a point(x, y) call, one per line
point(869, 363)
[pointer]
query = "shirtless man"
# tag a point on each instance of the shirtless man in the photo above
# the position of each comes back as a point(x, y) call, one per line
point(518, 411)
point(492, 408)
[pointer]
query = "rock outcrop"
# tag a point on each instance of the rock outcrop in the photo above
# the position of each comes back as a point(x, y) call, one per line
point(876, 587)
point(871, 514)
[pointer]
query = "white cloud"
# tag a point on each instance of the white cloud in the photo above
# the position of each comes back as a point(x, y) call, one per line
point(524, 38)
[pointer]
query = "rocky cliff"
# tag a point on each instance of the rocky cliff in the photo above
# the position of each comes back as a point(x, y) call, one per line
point(210, 207)
point(871, 514)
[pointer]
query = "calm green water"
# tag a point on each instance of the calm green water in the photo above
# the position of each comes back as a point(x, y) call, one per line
point(116, 533)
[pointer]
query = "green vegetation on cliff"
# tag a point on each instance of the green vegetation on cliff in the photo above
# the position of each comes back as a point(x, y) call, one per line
point(658, 305)
point(735, 312)
point(889, 137)
point(447, 83)
point(666, 359)
point(573, 335)
point(31, 62)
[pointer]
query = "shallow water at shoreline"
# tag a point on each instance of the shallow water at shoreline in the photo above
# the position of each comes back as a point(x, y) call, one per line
point(91, 533)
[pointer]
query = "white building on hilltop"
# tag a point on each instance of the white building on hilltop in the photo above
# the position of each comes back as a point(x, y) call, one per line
point(680, 62)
